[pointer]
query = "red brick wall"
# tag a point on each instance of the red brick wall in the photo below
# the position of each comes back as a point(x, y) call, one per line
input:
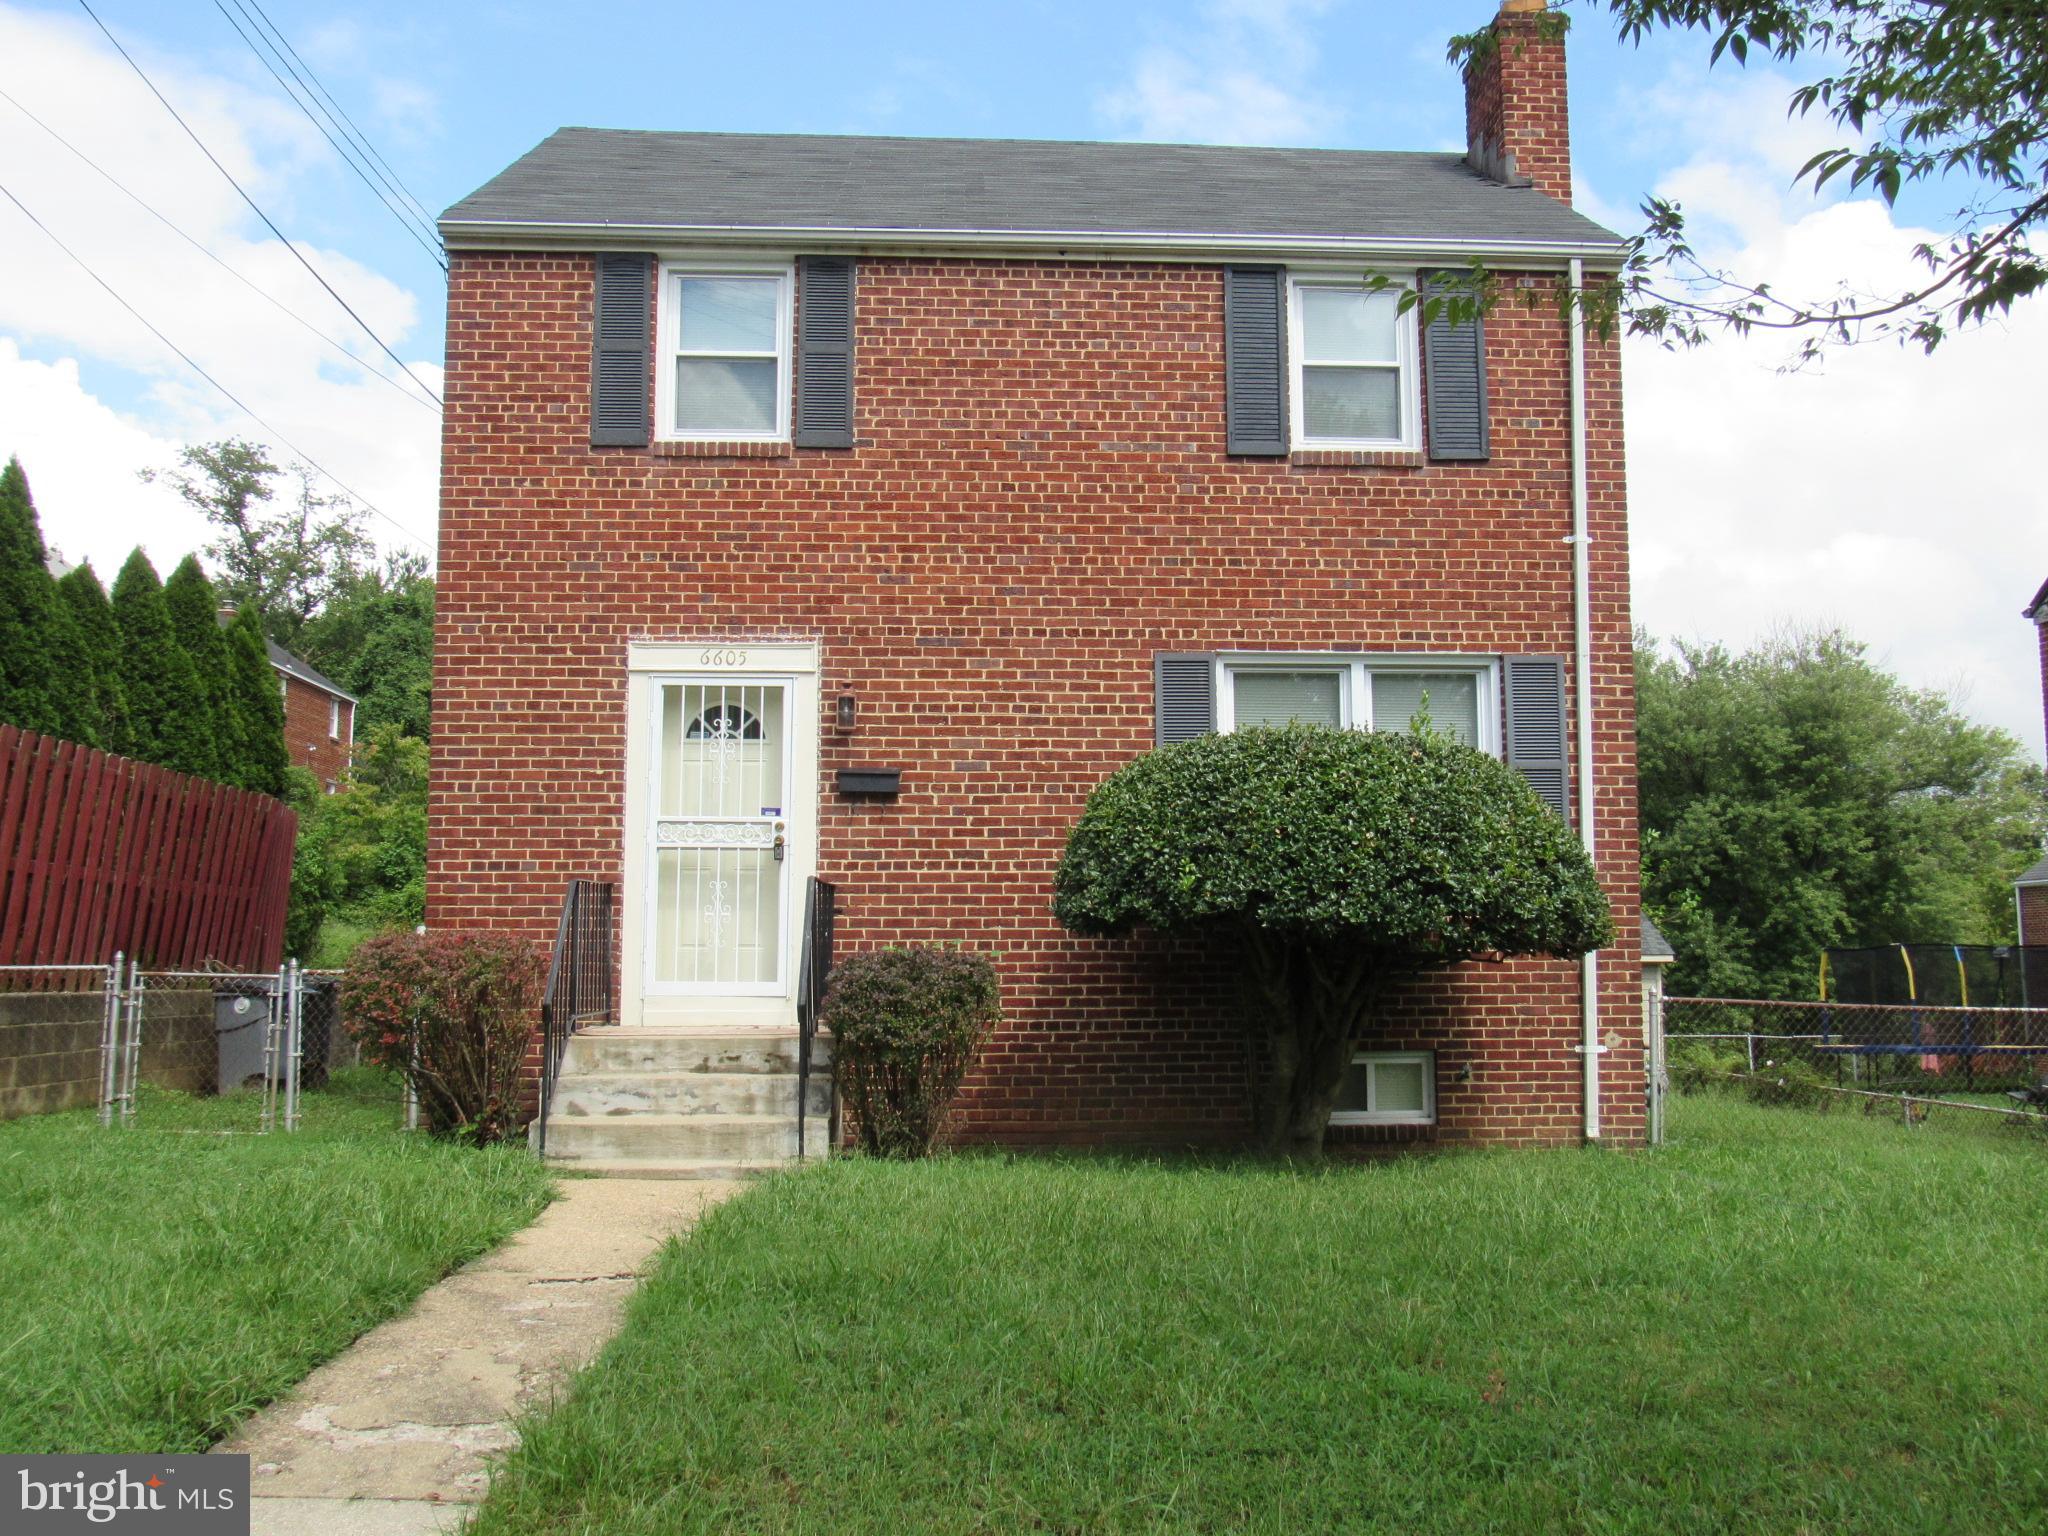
point(1515, 102)
point(306, 735)
point(2033, 914)
point(1040, 500)
point(2041, 629)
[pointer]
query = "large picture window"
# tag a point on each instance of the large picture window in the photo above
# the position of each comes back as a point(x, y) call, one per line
point(1353, 358)
point(1380, 693)
point(726, 344)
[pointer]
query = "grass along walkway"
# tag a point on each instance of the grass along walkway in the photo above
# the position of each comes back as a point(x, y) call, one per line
point(1784, 1321)
point(160, 1286)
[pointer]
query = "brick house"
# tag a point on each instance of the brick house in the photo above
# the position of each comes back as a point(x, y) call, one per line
point(2030, 892)
point(319, 714)
point(851, 507)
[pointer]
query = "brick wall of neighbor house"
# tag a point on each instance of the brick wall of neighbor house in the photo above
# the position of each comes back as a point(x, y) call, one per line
point(1040, 501)
point(2033, 914)
point(306, 730)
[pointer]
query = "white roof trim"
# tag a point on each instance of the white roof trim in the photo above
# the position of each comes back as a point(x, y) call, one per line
point(510, 234)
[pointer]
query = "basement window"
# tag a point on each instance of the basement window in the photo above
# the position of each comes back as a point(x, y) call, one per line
point(1388, 1088)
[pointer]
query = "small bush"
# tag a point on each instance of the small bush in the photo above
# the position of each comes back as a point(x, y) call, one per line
point(453, 1013)
point(1697, 1066)
point(1792, 1083)
point(906, 1025)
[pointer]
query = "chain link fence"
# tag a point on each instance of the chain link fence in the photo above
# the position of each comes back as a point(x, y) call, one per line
point(253, 1042)
point(1910, 1061)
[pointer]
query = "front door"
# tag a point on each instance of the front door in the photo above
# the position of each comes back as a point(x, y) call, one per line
point(718, 837)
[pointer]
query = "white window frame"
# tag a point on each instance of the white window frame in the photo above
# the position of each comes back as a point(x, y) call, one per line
point(1358, 669)
point(1371, 1060)
point(333, 718)
point(669, 326)
point(1406, 351)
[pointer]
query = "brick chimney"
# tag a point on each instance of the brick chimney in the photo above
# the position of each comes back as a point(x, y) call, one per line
point(1517, 131)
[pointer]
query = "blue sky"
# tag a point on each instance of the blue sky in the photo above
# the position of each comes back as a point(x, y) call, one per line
point(1840, 495)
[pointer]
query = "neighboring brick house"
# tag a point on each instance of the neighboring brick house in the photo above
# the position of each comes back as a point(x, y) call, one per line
point(319, 717)
point(779, 471)
point(2031, 891)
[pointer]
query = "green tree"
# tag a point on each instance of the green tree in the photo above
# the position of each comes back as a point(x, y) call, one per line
point(1797, 797)
point(35, 634)
point(375, 637)
point(1949, 92)
point(195, 620)
point(1338, 865)
point(284, 561)
point(168, 717)
point(258, 706)
point(98, 677)
point(362, 853)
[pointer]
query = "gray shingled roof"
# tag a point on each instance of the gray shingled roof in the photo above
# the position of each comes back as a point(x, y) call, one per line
point(725, 181)
point(2038, 875)
point(2040, 599)
point(286, 662)
point(1655, 945)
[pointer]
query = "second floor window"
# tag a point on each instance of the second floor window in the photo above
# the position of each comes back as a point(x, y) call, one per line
point(725, 374)
point(1353, 355)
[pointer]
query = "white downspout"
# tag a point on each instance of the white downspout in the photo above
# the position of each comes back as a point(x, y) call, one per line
point(1590, 1047)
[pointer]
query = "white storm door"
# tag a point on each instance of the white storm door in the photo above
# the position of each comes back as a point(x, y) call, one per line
point(718, 899)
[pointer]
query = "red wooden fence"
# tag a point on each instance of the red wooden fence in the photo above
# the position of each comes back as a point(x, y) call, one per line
point(100, 853)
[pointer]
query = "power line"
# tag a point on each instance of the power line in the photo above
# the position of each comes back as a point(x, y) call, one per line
point(310, 462)
point(349, 155)
point(269, 223)
point(267, 297)
point(327, 96)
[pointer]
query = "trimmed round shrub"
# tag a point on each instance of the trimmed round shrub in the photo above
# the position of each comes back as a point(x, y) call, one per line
point(1337, 866)
point(906, 1025)
point(453, 1013)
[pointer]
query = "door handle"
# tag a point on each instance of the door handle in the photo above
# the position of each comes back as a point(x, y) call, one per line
point(781, 841)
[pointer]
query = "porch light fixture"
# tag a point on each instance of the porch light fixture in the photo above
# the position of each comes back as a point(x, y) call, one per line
point(845, 711)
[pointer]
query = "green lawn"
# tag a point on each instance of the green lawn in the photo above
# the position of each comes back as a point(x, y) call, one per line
point(1783, 1322)
point(158, 1284)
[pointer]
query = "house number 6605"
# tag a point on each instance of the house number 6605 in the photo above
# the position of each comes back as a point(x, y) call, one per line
point(722, 659)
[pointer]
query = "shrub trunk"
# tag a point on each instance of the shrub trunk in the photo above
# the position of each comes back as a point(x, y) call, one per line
point(1306, 1009)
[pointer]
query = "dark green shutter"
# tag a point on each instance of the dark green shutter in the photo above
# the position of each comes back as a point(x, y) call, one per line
point(621, 341)
point(1454, 375)
point(1183, 697)
point(1535, 721)
point(824, 352)
point(1255, 360)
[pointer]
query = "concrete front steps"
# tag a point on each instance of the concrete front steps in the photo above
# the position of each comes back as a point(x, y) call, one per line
point(684, 1104)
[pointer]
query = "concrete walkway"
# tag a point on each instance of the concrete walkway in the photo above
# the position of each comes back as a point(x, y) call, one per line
point(393, 1436)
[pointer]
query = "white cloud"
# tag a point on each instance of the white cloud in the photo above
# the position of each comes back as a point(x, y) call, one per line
point(1883, 490)
point(1242, 77)
point(82, 452)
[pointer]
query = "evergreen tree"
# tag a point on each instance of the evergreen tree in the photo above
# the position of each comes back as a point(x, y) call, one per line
point(259, 707)
point(195, 619)
point(32, 661)
point(167, 712)
point(99, 652)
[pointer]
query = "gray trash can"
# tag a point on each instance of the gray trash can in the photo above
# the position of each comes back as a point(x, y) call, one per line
point(241, 1027)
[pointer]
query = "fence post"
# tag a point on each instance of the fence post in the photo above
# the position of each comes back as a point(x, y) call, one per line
point(110, 1040)
point(1749, 1049)
point(412, 1093)
point(131, 1064)
point(273, 1024)
point(294, 1047)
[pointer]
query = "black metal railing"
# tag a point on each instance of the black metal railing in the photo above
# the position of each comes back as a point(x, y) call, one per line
point(579, 989)
point(814, 971)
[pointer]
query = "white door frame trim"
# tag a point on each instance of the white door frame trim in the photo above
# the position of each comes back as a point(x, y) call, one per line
point(648, 664)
